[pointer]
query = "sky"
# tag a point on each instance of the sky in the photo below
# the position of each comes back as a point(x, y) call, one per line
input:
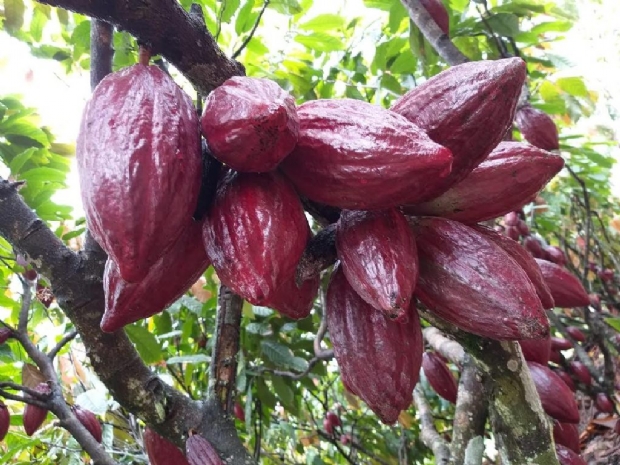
point(593, 46)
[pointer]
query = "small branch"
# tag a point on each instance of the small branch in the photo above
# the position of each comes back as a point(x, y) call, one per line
point(63, 342)
point(450, 349)
point(326, 355)
point(24, 311)
point(246, 41)
point(24, 399)
point(101, 51)
point(320, 334)
point(430, 436)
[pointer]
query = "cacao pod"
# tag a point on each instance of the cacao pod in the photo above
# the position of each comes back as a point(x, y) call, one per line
point(534, 246)
point(509, 178)
point(379, 359)
point(333, 418)
point(565, 288)
point(525, 261)
point(513, 233)
point(34, 416)
point(581, 372)
point(439, 376)
point(467, 108)
point(568, 457)
point(90, 422)
point(439, 14)
point(537, 128)
point(467, 280)
point(378, 255)
point(555, 357)
point(239, 412)
point(5, 420)
point(537, 350)
point(595, 301)
point(250, 124)
point(139, 160)
point(359, 156)
point(567, 435)
point(255, 234)
point(5, 334)
point(606, 275)
point(511, 219)
point(576, 333)
point(166, 281)
point(604, 403)
point(160, 451)
point(555, 254)
point(523, 228)
point(556, 398)
point(567, 379)
point(201, 452)
point(295, 301)
point(559, 343)
point(328, 426)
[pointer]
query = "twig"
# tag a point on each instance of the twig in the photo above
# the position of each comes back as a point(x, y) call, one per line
point(246, 41)
point(430, 436)
point(63, 342)
point(320, 334)
point(289, 374)
point(450, 349)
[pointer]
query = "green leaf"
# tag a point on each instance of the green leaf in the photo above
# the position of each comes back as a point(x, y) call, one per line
point(614, 323)
point(286, 7)
point(321, 42)
point(552, 26)
point(13, 15)
point(22, 158)
point(397, 14)
point(197, 358)
point(22, 127)
point(146, 343)
point(279, 354)
point(323, 23)
point(44, 175)
point(504, 24)
point(283, 391)
point(38, 22)
point(573, 86)
point(245, 18)
point(384, 5)
point(228, 9)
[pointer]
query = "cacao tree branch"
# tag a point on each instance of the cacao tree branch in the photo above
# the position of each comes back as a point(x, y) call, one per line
point(101, 51)
point(449, 348)
point(428, 433)
point(246, 41)
point(170, 31)
point(63, 342)
point(439, 41)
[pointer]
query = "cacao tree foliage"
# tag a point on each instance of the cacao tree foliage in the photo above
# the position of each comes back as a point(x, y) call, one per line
point(289, 403)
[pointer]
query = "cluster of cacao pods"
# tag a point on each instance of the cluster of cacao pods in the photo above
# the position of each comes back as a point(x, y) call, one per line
point(160, 451)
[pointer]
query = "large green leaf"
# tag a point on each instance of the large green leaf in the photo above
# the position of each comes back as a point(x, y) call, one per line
point(146, 343)
point(13, 15)
point(321, 42)
point(323, 23)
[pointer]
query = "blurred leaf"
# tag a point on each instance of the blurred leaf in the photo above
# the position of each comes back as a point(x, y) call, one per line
point(146, 343)
point(32, 376)
point(320, 42)
point(13, 15)
point(323, 23)
point(504, 24)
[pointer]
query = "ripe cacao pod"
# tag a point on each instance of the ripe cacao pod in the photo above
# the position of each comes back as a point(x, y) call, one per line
point(467, 280)
point(581, 372)
point(439, 376)
point(555, 254)
point(328, 426)
point(513, 233)
point(359, 156)
point(295, 301)
point(467, 108)
point(379, 359)
point(565, 288)
point(34, 416)
point(511, 219)
point(239, 412)
point(525, 261)
point(90, 422)
point(537, 128)
point(559, 343)
point(5, 420)
point(595, 301)
point(166, 281)
point(438, 12)
point(250, 124)
point(523, 228)
point(378, 255)
point(576, 333)
point(536, 350)
point(509, 178)
point(255, 234)
point(567, 435)
point(604, 403)
point(556, 398)
point(139, 160)
point(606, 275)
point(534, 246)
point(555, 357)
point(160, 451)
point(568, 457)
point(5, 334)
point(567, 379)
point(201, 452)
point(333, 418)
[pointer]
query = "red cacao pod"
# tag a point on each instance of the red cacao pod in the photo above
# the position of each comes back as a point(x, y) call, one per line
point(559, 343)
point(581, 372)
point(509, 178)
point(90, 422)
point(328, 426)
point(513, 233)
point(378, 255)
point(34, 416)
point(239, 412)
point(604, 403)
point(534, 246)
point(255, 234)
point(5, 420)
point(438, 12)
point(5, 334)
point(139, 161)
point(295, 301)
point(523, 228)
point(567, 379)
point(166, 281)
point(250, 124)
point(555, 357)
point(511, 219)
point(467, 108)
point(379, 359)
point(359, 156)
point(160, 451)
point(201, 452)
point(568, 457)
point(333, 418)
point(556, 398)
point(576, 333)
point(439, 376)
point(567, 435)
point(537, 350)
point(525, 261)
point(555, 254)
point(595, 301)
point(565, 288)
point(606, 274)
point(30, 274)
point(537, 128)
point(469, 281)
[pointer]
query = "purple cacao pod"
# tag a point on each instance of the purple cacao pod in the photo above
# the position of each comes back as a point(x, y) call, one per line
point(567, 435)
point(34, 416)
point(201, 452)
point(581, 372)
point(568, 457)
point(566, 289)
point(439, 376)
point(536, 350)
point(160, 451)
point(556, 398)
point(90, 422)
point(5, 420)
point(537, 128)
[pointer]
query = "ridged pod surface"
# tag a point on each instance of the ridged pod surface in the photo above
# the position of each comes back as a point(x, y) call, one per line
point(295, 301)
point(126, 302)
point(5, 420)
point(250, 124)
point(438, 12)
point(467, 108)
point(536, 350)
point(568, 457)
point(509, 178)
point(359, 156)
point(201, 452)
point(255, 234)
point(537, 128)
point(378, 255)
point(556, 397)
point(565, 287)
point(379, 359)
point(439, 376)
point(90, 422)
point(469, 281)
point(139, 161)
point(567, 435)
point(160, 451)
point(524, 259)
point(34, 416)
